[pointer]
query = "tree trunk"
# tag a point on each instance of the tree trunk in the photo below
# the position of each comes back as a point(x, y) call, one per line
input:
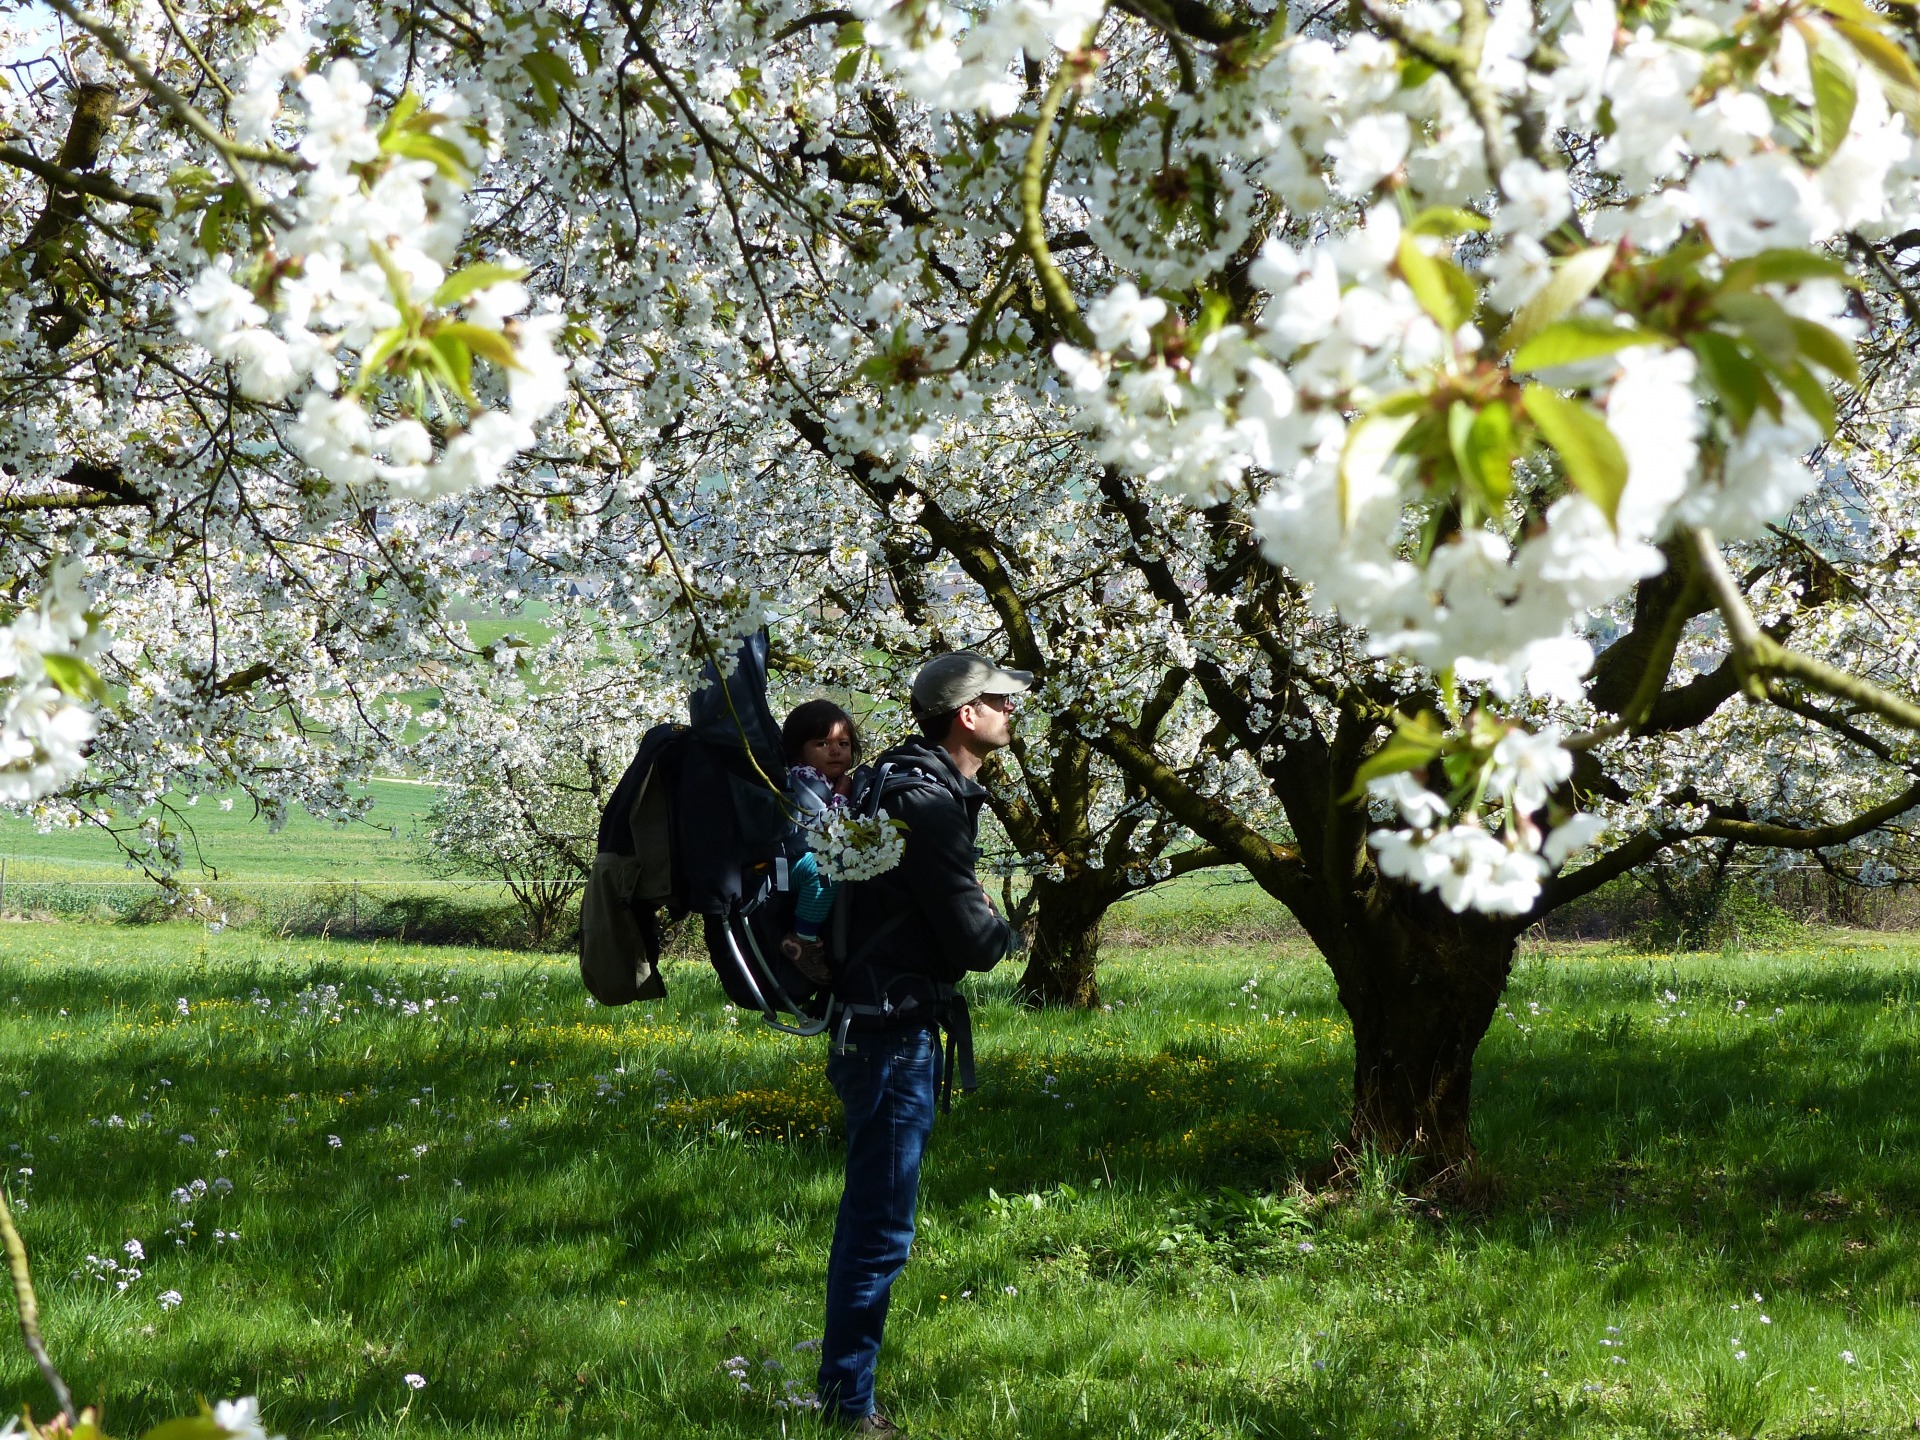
point(1065, 948)
point(1420, 985)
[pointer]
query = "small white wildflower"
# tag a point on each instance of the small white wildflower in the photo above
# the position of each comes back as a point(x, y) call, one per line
point(415, 1382)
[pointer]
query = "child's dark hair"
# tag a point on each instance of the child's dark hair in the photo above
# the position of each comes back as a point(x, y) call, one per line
point(815, 721)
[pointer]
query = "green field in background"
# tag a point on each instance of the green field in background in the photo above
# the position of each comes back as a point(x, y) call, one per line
point(238, 845)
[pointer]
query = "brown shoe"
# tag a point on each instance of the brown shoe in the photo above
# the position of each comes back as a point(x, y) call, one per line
point(874, 1423)
point(808, 956)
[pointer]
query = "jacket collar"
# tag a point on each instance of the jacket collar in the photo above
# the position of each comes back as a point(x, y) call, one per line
point(934, 762)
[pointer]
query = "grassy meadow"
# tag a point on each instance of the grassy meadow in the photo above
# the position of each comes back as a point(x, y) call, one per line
point(237, 846)
point(346, 1164)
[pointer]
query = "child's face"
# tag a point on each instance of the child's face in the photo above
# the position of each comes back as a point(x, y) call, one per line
point(832, 753)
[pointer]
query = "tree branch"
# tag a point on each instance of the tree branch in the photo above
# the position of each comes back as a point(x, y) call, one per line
point(1033, 230)
point(233, 154)
point(1758, 657)
point(97, 186)
point(1277, 868)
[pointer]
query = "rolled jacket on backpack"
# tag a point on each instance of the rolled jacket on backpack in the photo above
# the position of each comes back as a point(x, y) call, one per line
point(928, 916)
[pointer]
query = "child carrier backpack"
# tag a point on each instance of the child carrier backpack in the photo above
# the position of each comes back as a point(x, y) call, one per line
point(699, 824)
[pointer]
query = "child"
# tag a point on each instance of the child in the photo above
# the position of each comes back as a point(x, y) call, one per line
point(821, 748)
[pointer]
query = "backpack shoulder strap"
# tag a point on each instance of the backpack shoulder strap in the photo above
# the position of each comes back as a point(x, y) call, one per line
point(876, 789)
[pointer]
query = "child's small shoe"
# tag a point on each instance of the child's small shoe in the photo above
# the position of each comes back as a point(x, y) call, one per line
point(808, 956)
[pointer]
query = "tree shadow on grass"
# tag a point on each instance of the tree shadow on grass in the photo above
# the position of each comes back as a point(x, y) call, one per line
point(1780, 1155)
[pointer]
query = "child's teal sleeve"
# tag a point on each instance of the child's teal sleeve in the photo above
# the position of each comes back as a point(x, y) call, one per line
point(812, 896)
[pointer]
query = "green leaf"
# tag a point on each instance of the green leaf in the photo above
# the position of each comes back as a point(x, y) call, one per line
point(1896, 67)
point(1577, 338)
point(1444, 290)
point(1215, 310)
point(552, 70)
point(213, 229)
point(1415, 72)
point(848, 67)
point(1851, 11)
point(1459, 426)
point(1760, 318)
point(1414, 743)
point(456, 362)
point(1742, 385)
point(1834, 99)
point(1371, 442)
point(1445, 220)
point(383, 346)
point(192, 183)
point(1813, 396)
point(1784, 267)
point(1401, 402)
point(1573, 280)
point(1592, 458)
point(75, 677)
point(195, 1427)
point(471, 279)
point(1489, 454)
point(403, 110)
point(489, 344)
point(443, 155)
point(850, 36)
point(1826, 349)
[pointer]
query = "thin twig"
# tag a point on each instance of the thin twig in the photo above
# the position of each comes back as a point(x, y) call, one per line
point(173, 19)
point(29, 1304)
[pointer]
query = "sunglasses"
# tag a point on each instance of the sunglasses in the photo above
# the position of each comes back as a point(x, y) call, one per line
point(1003, 703)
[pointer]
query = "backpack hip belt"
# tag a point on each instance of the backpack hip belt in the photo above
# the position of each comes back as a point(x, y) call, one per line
point(950, 1019)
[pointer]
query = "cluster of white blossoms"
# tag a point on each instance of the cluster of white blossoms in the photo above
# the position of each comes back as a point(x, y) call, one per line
point(365, 266)
point(958, 59)
point(855, 847)
point(1469, 866)
point(1472, 408)
point(46, 683)
point(240, 1419)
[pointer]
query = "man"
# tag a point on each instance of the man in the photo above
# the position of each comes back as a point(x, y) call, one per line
point(912, 933)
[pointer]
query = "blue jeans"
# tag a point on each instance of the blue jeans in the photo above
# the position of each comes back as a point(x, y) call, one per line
point(886, 1082)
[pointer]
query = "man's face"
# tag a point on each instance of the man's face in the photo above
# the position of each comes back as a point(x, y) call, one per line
point(989, 720)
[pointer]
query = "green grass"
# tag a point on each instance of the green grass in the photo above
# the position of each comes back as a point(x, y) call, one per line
point(1218, 902)
point(610, 1205)
point(239, 846)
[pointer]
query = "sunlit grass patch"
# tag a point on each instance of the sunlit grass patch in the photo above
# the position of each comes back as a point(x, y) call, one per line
point(342, 1164)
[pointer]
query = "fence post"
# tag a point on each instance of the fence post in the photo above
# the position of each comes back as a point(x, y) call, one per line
point(355, 923)
point(3, 882)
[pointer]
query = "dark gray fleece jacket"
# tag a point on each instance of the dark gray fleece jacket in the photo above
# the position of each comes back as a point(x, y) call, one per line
point(928, 915)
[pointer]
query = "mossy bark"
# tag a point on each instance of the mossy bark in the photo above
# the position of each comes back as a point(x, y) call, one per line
point(1064, 951)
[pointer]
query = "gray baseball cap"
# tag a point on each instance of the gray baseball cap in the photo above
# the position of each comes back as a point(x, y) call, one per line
point(947, 682)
